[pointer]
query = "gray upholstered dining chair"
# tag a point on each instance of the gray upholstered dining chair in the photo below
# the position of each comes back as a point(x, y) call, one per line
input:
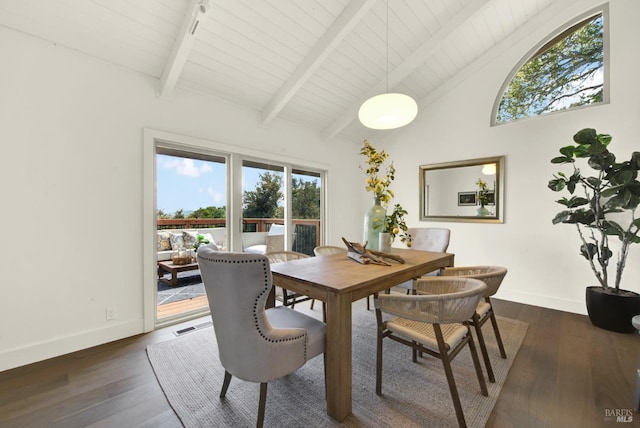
point(433, 321)
point(255, 344)
point(427, 239)
point(492, 276)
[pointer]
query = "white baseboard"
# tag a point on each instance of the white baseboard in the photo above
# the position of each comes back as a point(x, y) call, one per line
point(566, 305)
point(32, 353)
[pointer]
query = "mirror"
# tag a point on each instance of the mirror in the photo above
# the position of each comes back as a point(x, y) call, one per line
point(467, 191)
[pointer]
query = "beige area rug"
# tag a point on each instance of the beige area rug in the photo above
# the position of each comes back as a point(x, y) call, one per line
point(414, 394)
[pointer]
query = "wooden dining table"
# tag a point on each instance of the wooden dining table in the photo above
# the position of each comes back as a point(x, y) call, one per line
point(339, 281)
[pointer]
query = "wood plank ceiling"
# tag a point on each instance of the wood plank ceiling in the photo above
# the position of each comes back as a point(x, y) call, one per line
point(312, 62)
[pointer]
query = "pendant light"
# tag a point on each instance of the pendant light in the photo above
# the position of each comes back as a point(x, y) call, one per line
point(388, 110)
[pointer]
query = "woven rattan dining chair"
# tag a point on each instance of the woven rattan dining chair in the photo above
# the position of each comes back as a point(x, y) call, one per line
point(255, 344)
point(492, 276)
point(288, 298)
point(326, 250)
point(434, 321)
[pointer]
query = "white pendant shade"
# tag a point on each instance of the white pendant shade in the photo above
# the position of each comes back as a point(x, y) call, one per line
point(388, 111)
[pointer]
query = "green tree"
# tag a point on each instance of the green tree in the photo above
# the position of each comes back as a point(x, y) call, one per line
point(209, 212)
point(161, 215)
point(263, 202)
point(564, 73)
point(179, 213)
point(306, 199)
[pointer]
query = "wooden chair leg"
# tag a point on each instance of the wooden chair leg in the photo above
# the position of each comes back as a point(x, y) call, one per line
point(261, 404)
point(379, 362)
point(312, 302)
point(225, 384)
point(483, 348)
point(444, 357)
point(379, 366)
point(494, 323)
point(476, 364)
point(414, 355)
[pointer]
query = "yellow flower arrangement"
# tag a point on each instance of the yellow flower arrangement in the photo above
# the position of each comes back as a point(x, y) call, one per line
point(375, 183)
point(483, 192)
point(394, 224)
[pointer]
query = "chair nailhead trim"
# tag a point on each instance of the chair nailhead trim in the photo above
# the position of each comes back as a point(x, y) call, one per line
point(266, 290)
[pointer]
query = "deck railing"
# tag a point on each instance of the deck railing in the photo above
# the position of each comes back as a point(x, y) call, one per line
point(306, 231)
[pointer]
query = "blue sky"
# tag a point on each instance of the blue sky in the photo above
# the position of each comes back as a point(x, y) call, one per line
point(190, 184)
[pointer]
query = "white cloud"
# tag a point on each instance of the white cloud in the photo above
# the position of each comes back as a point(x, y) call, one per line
point(187, 167)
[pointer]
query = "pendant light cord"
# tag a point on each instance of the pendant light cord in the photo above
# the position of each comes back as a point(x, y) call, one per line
point(387, 63)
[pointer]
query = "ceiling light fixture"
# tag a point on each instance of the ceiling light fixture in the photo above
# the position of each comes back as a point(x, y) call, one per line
point(388, 110)
point(489, 169)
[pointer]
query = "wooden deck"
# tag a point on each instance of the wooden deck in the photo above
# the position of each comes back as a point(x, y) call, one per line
point(169, 309)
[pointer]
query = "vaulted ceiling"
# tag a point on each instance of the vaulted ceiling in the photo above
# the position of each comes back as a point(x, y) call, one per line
point(312, 62)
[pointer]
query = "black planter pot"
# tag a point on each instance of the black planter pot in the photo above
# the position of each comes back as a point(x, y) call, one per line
point(612, 311)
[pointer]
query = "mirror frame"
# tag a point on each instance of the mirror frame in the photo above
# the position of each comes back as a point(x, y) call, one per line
point(499, 191)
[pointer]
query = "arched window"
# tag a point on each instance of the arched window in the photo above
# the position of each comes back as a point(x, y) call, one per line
point(563, 72)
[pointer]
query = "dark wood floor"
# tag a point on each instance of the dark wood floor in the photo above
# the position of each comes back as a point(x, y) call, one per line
point(567, 374)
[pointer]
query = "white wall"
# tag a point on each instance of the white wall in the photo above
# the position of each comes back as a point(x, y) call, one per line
point(72, 211)
point(545, 267)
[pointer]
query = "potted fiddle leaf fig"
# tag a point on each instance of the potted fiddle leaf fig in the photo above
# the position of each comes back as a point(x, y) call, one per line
point(602, 206)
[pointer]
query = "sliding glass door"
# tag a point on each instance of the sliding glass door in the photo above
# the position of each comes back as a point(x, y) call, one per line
point(197, 191)
point(191, 195)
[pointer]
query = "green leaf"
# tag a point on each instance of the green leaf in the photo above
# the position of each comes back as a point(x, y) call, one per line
point(586, 136)
point(588, 251)
point(624, 176)
point(557, 184)
point(586, 217)
point(562, 159)
point(613, 228)
point(575, 201)
point(607, 193)
point(568, 151)
point(601, 161)
point(604, 139)
point(561, 217)
point(597, 147)
point(582, 151)
point(594, 181)
point(619, 200)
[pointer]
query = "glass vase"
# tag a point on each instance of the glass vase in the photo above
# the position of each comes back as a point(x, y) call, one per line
point(483, 212)
point(373, 225)
point(385, 242)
